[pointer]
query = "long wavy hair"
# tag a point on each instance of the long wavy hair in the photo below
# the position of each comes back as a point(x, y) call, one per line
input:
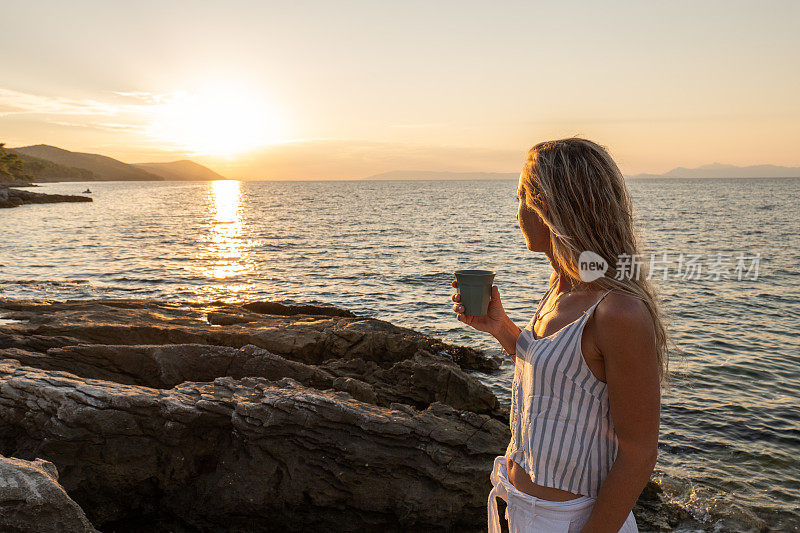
point(589, 209)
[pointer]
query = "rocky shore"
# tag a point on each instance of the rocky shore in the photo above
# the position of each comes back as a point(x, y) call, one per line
point(144, 415)
point(13, 197)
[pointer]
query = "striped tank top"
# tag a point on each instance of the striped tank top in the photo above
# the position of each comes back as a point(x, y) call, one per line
point(561, 429)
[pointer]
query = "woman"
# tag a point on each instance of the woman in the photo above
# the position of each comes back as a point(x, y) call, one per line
point(586, 395)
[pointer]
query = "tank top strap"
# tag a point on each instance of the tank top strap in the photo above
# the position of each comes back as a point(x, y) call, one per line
point(592, 308)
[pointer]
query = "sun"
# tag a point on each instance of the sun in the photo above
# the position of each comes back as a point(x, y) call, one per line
point(218, 121)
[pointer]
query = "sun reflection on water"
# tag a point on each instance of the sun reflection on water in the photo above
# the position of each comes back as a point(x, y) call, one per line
point(226, 201)
point(226, 256)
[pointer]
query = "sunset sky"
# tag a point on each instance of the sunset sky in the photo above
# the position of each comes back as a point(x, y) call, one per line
point(349, 89)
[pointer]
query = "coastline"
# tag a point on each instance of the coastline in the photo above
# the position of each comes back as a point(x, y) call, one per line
point(10, 196)
point(166, 414)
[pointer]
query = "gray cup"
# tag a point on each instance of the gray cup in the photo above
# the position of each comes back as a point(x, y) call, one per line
point(475, 288)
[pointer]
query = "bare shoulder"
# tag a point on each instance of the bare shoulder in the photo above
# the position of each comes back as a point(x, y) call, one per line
point(626, 339)
point(622, 317)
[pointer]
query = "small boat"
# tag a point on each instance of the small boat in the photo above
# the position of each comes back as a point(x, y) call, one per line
point(87, 191)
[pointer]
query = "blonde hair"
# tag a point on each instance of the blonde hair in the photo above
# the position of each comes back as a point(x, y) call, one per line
point(588, 207)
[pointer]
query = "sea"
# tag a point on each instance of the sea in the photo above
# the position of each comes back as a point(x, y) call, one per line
point(727, 252)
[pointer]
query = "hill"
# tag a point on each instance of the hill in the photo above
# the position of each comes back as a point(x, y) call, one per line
point(44, 171)
point(105, 168)
point(718, 170)
point(433, 175)
point(180, 170)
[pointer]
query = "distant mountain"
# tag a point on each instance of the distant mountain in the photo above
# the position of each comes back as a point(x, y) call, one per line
point(718, 170)
point(714, 170)
point(105, 168)
point(180, 170)
point(43, 171)
point(433, 175)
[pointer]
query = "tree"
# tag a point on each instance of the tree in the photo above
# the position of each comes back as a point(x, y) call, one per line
point(11, 167)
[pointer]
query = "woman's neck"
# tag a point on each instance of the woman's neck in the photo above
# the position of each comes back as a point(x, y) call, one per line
point(565, 283)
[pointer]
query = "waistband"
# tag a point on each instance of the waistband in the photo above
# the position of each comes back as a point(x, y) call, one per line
point(502, 487)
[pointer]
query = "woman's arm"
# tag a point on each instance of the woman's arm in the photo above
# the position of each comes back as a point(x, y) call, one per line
point(507, 335)
point(626, 339)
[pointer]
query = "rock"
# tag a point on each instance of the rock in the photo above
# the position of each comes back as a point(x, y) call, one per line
point(309, 339)
point(12, 197)
point(164, 366)
point(654, 512)
point(226, 319)
point(228, 453)
point(420, 381)
point(357, 389)
point(185, 417)
point(38, 343)
point(6, 199)
point(213, 416)
point(31, 500)
point(274, 308)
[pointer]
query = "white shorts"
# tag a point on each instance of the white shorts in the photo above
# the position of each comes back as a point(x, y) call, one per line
point(526, 513)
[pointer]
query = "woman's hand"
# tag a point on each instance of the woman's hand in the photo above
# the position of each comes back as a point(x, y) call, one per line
point(494, 319)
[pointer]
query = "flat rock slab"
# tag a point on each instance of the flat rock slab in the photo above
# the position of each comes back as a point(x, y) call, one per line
point(306, 337)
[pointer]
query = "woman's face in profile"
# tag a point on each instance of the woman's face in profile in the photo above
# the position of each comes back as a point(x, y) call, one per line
point(535, 231)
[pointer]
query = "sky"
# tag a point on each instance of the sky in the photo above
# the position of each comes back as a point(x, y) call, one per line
point(343, 89)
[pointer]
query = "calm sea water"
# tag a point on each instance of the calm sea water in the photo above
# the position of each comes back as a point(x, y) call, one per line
point(730, 432)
